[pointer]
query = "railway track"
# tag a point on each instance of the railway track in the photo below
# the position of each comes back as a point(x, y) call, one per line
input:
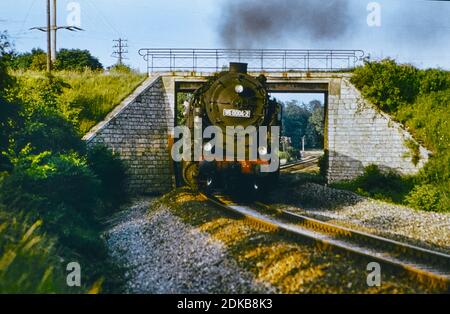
point(301, 164)
point(428, 266)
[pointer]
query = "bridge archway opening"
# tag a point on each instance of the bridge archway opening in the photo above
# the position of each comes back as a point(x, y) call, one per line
point(303, 130)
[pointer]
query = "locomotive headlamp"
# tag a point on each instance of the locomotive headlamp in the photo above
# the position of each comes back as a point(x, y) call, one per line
point(207, 147)
point(262, 150)
point(239, 88)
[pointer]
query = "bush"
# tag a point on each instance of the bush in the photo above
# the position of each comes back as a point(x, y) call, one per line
point(387, 186)
point(47, 130)
point(284, 155)
point(425, 197)
point(62, 191)
point(121, 69)
point(387, 84)
point(111, 171)
point(50, 181)
point(39, 62)
point(434, 80)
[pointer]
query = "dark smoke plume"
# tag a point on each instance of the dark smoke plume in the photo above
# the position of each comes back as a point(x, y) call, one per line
point(258, 23)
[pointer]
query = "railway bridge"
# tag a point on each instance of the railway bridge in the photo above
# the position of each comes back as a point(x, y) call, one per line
point(140, 129)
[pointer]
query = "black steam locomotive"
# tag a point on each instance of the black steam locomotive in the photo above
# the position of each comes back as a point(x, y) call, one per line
point(234, 100)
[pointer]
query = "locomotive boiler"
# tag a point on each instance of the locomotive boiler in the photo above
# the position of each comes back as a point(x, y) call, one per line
point(246, 125)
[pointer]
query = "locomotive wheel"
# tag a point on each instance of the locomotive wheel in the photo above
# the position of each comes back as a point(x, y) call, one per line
point(190, 175)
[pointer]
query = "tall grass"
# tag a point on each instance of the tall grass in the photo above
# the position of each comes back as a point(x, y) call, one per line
point(28, 258)
point(91, 94)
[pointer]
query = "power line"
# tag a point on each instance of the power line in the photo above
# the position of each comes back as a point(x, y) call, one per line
point(103, 17)
point(119, 49)
point(26, 18)
point(52, 28)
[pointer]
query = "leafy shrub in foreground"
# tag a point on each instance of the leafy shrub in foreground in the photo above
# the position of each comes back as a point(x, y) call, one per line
point(63, 191)
point(387, 186)
point(425, 197)
point(47, 130)
point(52, 180)
point(111, 171)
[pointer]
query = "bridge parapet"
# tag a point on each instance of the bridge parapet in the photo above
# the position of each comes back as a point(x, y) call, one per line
point(194, 59)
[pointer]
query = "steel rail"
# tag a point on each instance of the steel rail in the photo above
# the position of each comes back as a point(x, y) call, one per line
point(308, 160)
point(428, 266)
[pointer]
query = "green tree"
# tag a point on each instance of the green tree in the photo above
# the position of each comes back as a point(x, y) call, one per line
point(9, 111)
point(317, 116)
point(295, 121)
point(34, 60)
point(315, 129)
point(77, 60)
point(7, 52)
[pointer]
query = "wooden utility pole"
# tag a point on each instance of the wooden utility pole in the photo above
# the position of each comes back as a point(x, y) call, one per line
point(49, 29)
point(49, 45)
point(54, 29)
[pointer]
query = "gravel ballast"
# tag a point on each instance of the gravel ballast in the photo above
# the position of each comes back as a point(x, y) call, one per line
point(427, 229)
point(181, 244)
point(161, 254)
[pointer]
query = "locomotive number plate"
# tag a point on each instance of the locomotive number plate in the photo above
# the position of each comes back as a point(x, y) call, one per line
point(236, 113)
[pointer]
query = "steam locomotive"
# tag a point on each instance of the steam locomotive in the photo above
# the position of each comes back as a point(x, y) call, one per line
point(229, 101)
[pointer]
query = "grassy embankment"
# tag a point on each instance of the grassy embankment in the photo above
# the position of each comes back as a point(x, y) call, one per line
point(90, 95)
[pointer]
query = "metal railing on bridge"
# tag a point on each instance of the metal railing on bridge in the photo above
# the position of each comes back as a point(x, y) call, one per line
point(269, 60)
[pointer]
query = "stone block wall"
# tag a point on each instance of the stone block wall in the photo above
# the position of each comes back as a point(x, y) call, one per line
point(139, 130)
point(359, 135)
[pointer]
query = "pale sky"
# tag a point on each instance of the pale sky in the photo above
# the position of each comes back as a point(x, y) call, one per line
point(416, 32)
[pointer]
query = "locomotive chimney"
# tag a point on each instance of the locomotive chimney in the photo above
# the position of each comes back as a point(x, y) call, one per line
point(238, 67)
